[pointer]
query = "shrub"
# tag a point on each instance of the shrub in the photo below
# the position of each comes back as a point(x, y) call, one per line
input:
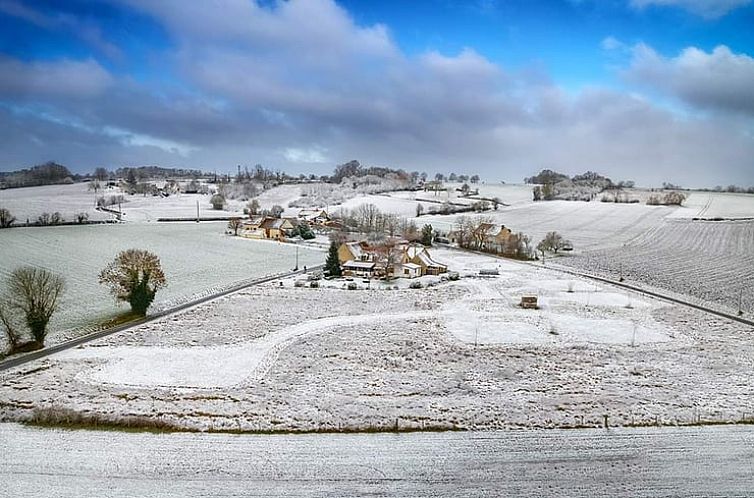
point(134, 276)
point(217, 201)
point(352, 286)
point(314, 284)
point(415, 285)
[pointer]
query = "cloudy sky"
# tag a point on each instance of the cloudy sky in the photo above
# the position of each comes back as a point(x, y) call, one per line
point(650, 90)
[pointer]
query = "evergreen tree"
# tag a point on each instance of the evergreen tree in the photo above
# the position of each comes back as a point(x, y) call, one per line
point(332, 264)
point(427, 235)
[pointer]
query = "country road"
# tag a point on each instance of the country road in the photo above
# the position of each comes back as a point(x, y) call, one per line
point(652, 462)
point(21, 359)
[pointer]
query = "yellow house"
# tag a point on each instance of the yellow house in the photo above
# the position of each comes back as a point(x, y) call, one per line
point(354, 251)
point(265, 227)
point(419, 255)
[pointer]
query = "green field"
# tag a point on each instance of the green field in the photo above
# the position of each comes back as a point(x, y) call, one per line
point(197, 258)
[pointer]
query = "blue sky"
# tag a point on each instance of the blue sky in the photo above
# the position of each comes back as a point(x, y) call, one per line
point(655, 90)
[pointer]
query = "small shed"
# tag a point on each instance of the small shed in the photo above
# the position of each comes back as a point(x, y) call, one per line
point(529, 302)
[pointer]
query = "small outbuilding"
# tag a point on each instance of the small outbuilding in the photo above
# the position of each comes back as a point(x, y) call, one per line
point(359, 268)
point(529, 302)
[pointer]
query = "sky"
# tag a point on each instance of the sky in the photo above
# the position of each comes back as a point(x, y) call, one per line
point(643, 90)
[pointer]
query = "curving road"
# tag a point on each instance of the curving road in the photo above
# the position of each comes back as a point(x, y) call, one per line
point(652, 462)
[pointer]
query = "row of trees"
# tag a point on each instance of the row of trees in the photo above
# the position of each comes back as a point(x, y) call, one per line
point(45, 219)
point(32, 295)
point(49, 173)
point(478, 234)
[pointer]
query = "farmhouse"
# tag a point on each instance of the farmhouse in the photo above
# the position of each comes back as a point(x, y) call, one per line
point(314, 216)
point(497, 240)
point(419, 255)
point(355, 251)
point(267, 227)
point(398, 259)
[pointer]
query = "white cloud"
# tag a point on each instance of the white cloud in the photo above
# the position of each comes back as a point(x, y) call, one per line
point(710, 9)
point(611, 43)
point(314, 155)
point(61, 78)
point(301, 85)
point(719, 80)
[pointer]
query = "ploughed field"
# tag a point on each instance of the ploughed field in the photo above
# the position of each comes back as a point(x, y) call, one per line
point(705, 260)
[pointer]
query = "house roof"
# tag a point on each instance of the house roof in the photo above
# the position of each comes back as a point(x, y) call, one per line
point(310, 214)
point(274, 223)
point(427, 260)
point(411, 266)
point(359, 265)
point(357, 248)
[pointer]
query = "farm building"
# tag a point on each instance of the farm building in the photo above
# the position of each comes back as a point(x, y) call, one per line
point(400, 259)
point(266, 227)
point(314, 216)
point(359, 269)
point(419, 255)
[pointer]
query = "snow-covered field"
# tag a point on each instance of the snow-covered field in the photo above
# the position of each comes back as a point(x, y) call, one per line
point(459, 354)
point(68, 200)
point(197, 258)
point(707, 260)
point(711, 205)
point(29, 203)
point(631, 462)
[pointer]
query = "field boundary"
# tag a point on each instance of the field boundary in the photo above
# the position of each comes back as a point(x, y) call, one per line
point(72, 343)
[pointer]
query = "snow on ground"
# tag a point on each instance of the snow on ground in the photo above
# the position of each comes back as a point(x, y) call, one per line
point(711, 261)
point(581, 312)
point(716, 205)
point(459, 354)
point(30, 202)
point(386, 203)
point(588, 225)
point(141, 208)
point(68, 200)
point(281, 195)
point(196, 258)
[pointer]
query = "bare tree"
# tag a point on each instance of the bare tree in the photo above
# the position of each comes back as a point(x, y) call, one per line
point(389, 254)
point(134, 276)
point(253, 206)
point(391, 224)
point(276, 211)
point(366, 217)
point(101, 174)
point(234, 224)
point(482, 231)
point(410, 231)
point(6, 219)
point(34, 294)
point(552, 242)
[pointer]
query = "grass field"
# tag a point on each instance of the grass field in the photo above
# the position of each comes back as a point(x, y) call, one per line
point(196, 258)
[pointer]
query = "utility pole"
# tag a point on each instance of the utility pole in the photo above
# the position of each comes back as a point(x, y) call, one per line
point(296, 268)
point(197, 211)
point(740, 298)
